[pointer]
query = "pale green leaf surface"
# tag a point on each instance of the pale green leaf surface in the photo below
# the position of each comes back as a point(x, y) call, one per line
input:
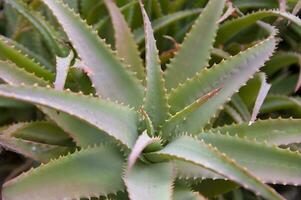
point(110, 78)
point(269, 164)
point(8, 51)
point(81, 132)
point(155, 103)
point(150, 182)
point(124, 41)
point(228, 75)
point(117, 121)
point(198, 152)
point(91, 172)
point(195, 52)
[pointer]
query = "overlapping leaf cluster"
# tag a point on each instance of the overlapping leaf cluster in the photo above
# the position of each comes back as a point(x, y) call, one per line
point(109, 124)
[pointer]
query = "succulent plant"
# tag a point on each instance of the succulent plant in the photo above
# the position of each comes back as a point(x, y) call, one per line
point(137, 131)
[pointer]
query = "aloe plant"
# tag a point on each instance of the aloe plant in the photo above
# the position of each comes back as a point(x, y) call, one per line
point(135, 131)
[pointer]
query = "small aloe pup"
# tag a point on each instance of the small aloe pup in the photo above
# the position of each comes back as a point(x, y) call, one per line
point(144, 133)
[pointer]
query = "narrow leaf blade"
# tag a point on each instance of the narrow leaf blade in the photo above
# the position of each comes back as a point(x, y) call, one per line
point(194, 54)
point(155, 99)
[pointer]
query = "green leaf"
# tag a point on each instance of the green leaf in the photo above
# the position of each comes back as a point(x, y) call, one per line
point(155, 103)
point(76, 128)
point(39, 131)
point(271, 165)
point(12, 74)
point(280, 102)
point(231, 28)
point(30, 54)
point(8, 51)
point(124, 41)
point(194, 54)
point(173, 122)
point(35, 150)
point(271, 131)
point(117, 121)
point(212, 188)
point(88, 173)
point(150, 181)
point(229, 75)
point(37, 20)
point(108, 74)
point(199, 153)
point(165, 21)
point(142, 142)
point(281, 60)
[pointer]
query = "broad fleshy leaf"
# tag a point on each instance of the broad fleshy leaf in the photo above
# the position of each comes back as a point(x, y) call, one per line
point(76, 128)
point(173, 122)
point(196, 151)
point(117, 121)
point(150, 182)
point(194, 54)
point(229, 75)
point(106, 71)
point(271, 165)
point(88, 173)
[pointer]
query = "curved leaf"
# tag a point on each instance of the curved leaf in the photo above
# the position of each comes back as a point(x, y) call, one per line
point(199, 153)
point(271, 165)
point(117, 121)
point(229, 75)
point(108, 74)
point(142, 142)
point(76, 128)
point(8, 51)
point(88, 173)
